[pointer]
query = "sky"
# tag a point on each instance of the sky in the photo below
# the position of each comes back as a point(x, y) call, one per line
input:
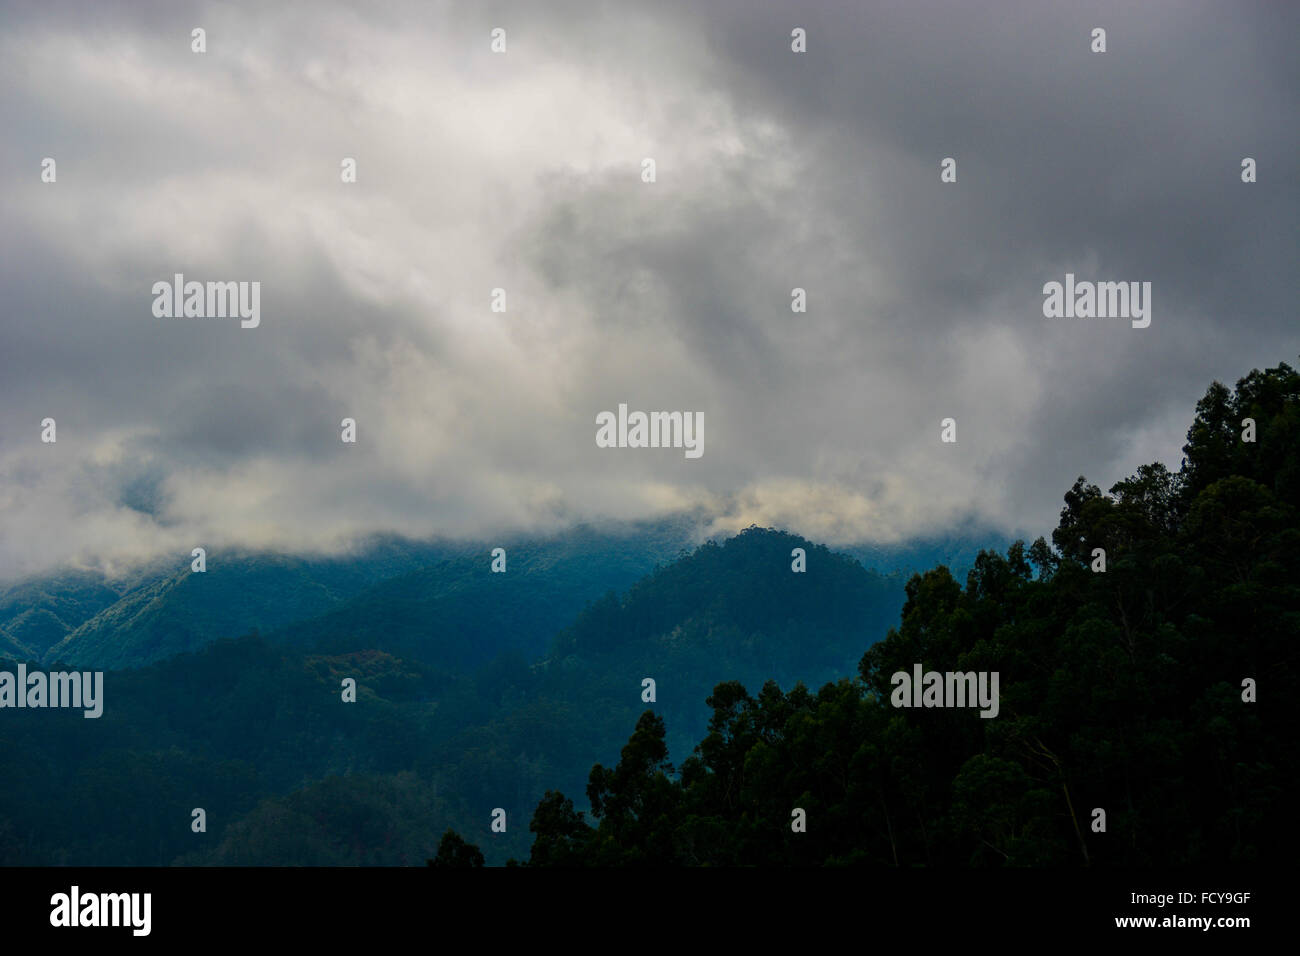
point(523, 170)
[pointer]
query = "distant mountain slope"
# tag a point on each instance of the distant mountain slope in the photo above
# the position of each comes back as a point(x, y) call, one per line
point(728, 611)
point(459, 614)
point(161, 610)
point(957, 551)
point(733, 610)
point(254, 729)
point(185, 611)
point(434, 601)
point(37, 613)
point(747, 583)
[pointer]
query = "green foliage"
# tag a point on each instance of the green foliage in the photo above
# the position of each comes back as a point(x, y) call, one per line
point(39, 613)
point(453, 851)
point(253, 729)
point(560, 832)
point(1119, 690)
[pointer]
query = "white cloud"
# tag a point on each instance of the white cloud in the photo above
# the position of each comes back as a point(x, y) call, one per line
point(522, 171)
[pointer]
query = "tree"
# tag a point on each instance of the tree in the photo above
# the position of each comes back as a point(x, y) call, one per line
point(454, 851)
point(561, 833)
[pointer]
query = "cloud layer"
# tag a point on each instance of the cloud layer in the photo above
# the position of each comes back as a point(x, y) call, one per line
point(522, 171)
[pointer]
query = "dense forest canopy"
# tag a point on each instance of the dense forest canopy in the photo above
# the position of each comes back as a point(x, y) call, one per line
point(1122, 692)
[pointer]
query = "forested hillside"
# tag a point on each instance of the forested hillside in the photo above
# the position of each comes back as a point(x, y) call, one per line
point(451, 718)
point(148, 613)
point(394, 592)
point(1160, 690)
point(1129, 690)
point(36, 614)
point(459, 614)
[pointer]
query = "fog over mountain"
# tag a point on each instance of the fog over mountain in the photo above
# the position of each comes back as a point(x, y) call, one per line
point(523, 171)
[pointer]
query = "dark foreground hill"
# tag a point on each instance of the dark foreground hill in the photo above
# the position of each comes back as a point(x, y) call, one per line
point(1147, 698)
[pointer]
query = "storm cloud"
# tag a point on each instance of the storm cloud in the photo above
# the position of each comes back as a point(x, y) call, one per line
point(522, 171)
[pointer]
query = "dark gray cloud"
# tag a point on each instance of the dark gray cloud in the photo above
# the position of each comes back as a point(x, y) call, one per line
point(477, 171)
